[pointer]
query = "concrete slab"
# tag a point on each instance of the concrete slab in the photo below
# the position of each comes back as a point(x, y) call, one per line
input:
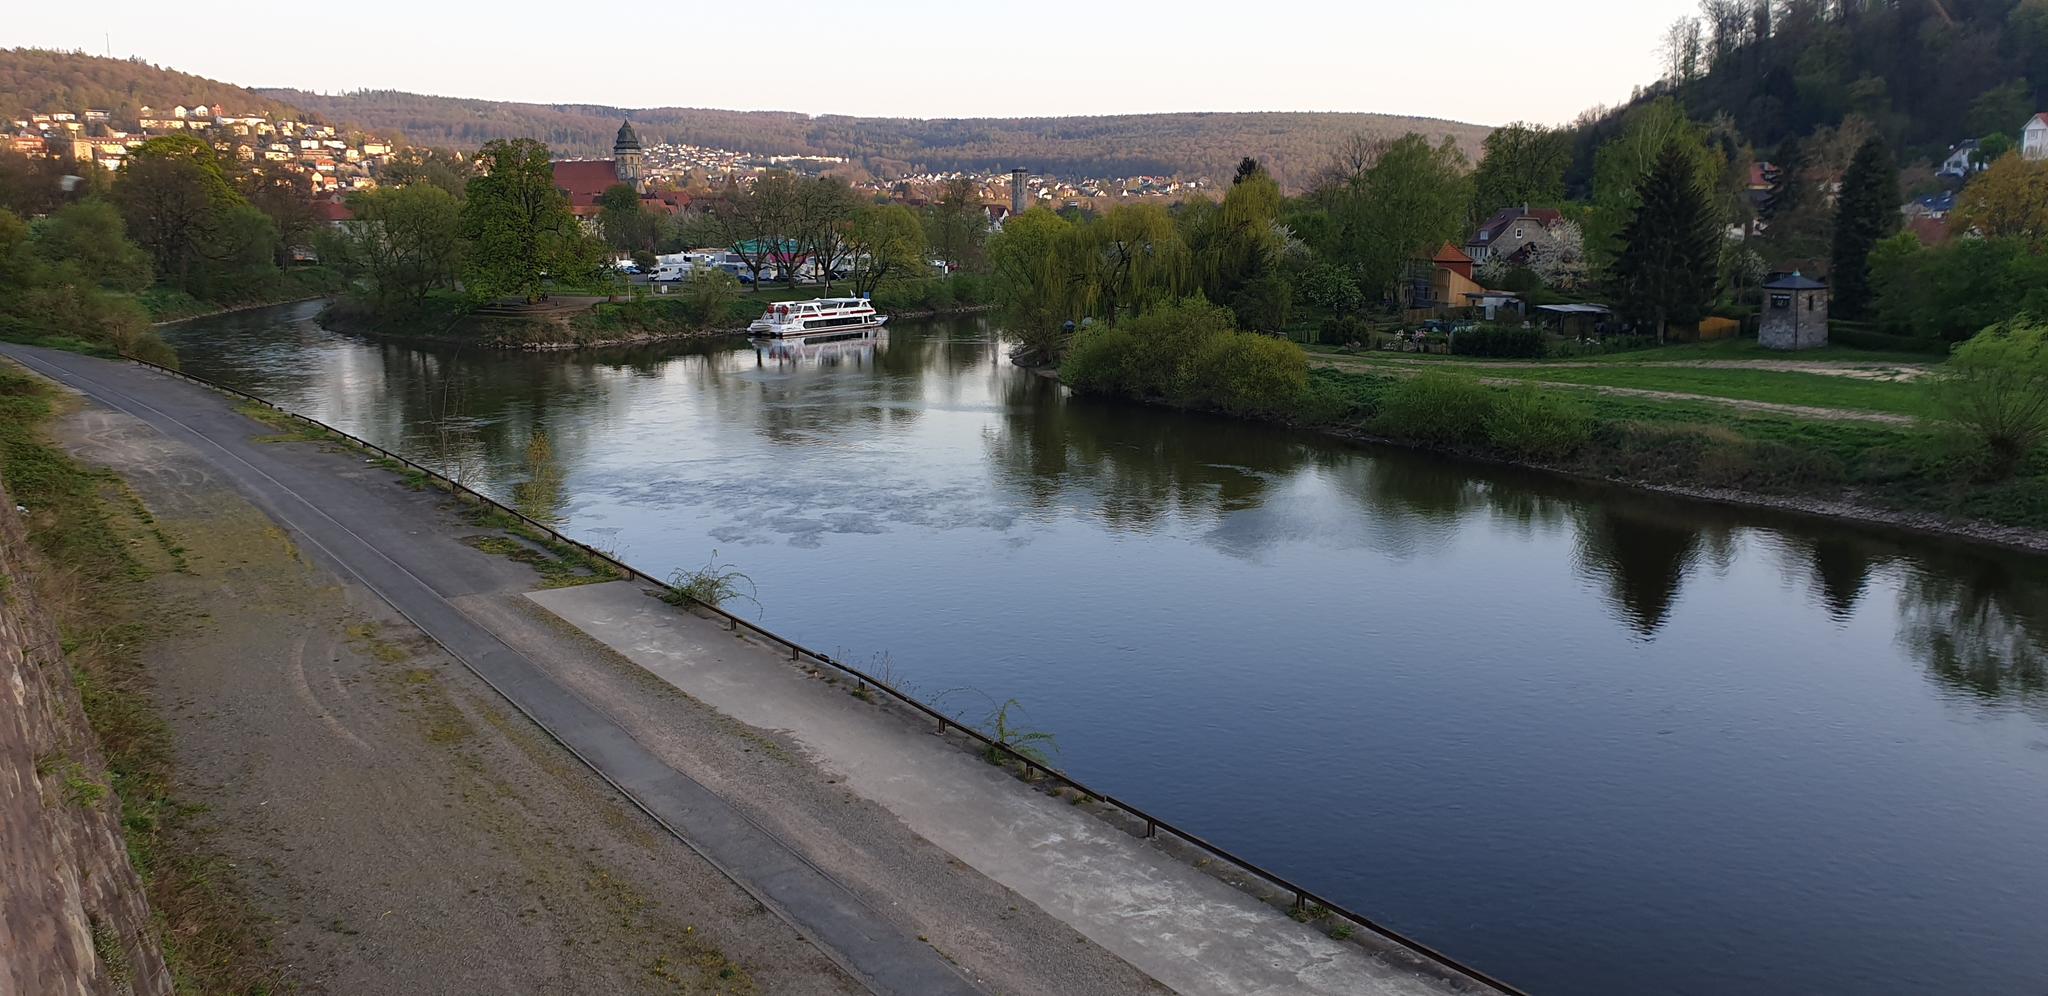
point(1183, 927)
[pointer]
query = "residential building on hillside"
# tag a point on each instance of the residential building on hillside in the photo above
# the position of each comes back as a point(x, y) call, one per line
point(1512, 231)
point(1961, 161)
point(2034, 137)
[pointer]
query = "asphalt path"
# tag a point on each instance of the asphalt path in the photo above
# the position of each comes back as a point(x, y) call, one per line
point(355, 535)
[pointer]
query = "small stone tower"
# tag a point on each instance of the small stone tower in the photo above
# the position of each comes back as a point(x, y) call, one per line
point(1017, 191)
point(1795, 313)
point(626, 157)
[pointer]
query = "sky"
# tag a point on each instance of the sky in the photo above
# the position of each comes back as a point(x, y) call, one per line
point(1480, 61)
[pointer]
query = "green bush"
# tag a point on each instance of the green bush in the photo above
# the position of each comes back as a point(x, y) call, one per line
point(1340, 399)
point(1995, 388)
point(1498, 340)
point(1435, 407)
point(1342, 330)
point(1539, 425)
point(1187, 353)
point(1242, 373)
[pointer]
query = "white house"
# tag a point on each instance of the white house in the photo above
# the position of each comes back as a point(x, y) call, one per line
point(1961, 161)
point(2034, 137)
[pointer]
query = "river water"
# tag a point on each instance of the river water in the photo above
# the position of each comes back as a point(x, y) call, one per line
point(1589, 740)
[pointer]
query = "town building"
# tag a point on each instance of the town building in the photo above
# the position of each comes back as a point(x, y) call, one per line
point(1961, 161)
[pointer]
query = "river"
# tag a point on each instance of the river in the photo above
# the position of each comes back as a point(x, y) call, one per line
point(1587, 739)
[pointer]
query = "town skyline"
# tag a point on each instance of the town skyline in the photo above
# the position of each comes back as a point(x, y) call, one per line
point(1359, 59)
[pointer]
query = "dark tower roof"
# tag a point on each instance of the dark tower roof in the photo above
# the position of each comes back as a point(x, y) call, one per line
point(627, 141)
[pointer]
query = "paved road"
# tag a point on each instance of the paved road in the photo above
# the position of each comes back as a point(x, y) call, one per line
point(354, 537)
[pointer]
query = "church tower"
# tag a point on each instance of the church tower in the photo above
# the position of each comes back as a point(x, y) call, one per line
point(626, 157)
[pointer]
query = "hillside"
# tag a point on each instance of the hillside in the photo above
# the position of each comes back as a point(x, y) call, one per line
point(1925, 73)
point(42, 80)
point(1292, 144)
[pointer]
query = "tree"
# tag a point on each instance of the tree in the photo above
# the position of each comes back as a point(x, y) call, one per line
point(1327, 286)
point(1134, 258)
point(1035, 267)
point(403, 241)
point(1996, 387)
point(89, 237)
point(1666, 266)
point(1560, 260)
point(518, 225)
point(1246, 169)
point(1867, 211)
point(957, 224)
point(1235, 249)
point(174, 198)
point(1621, 164)
point(2008, 201)
point(1413, 199)
point(439, 167)
point(1521, 164)
point(625, 223)
point(823, 207)
point(285, 196)
point(883, 242)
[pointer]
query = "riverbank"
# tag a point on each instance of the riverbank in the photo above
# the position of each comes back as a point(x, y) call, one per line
point(958, 891)
point(601, 324)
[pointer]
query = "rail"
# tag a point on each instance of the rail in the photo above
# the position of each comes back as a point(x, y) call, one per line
point(1304, 898)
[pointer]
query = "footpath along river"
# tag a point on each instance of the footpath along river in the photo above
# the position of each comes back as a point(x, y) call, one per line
point(1589, 740)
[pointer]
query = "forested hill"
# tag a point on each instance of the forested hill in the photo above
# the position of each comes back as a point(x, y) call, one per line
point(34, 80)
point(1293, 145)
point(1925, 73)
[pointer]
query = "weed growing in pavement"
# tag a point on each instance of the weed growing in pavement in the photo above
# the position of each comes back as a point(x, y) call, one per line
point(711, 585)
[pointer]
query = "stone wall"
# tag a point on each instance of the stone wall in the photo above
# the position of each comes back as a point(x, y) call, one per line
point(73, 917)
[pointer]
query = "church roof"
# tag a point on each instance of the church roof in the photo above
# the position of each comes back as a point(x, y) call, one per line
point(627, 141)
point(585, 180)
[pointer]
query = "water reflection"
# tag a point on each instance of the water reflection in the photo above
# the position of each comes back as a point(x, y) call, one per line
point(1491, 641)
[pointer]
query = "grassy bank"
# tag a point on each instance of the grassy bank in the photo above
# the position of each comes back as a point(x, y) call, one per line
point(1903, 469)
point(103, 547)
point(1771, 386)
point(167, 304)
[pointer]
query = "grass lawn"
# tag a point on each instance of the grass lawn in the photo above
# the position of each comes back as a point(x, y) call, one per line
point(1688, 352)
point(1771, 386)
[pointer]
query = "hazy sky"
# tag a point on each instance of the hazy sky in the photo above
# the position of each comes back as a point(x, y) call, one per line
point(1483, 61)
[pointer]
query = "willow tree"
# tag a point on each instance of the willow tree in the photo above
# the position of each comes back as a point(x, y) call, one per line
point(1035, 267)
point(1134, 260)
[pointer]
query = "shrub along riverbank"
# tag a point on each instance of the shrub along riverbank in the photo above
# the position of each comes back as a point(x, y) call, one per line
point(1982, 467)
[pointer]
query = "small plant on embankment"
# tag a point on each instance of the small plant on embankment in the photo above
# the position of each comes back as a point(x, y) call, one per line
point(712, 585)
point(1027, 743)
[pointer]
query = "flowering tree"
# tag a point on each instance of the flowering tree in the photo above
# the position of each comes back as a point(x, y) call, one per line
point(1560, 260)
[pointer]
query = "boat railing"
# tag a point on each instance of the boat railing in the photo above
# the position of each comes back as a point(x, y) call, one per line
point(1305, 900)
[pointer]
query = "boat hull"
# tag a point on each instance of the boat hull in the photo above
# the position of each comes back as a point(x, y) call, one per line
point(793, 330)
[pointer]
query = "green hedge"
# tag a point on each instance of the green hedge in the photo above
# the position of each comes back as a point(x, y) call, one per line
point(1857, 335)
point(1499, 341)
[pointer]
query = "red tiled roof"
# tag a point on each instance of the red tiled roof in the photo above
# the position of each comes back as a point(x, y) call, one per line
point(1450, 254)
point(585, 180)
point(2038, 119)
point(331, 209)
point(1930, 231)
point(1502, 219)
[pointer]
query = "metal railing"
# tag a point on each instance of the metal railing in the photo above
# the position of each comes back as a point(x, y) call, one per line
point(1304, 898)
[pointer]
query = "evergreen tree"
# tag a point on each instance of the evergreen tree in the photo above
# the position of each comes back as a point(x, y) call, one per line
point(1866, 212)
point(1666, 269)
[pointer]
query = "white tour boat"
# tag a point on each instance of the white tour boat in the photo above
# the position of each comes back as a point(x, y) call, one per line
point(823, 316)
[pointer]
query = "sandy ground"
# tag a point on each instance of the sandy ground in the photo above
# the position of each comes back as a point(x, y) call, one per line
point(402, 829)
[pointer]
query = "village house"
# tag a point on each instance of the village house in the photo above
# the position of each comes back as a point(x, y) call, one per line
point(1511, 232)
point(1960, 162)
point(2034, 137)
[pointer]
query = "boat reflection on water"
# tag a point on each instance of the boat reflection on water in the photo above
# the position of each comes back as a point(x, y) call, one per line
point(856, 347)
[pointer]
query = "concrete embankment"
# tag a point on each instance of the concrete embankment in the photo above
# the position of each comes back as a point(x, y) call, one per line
point(73, 916)
point(911, 865)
